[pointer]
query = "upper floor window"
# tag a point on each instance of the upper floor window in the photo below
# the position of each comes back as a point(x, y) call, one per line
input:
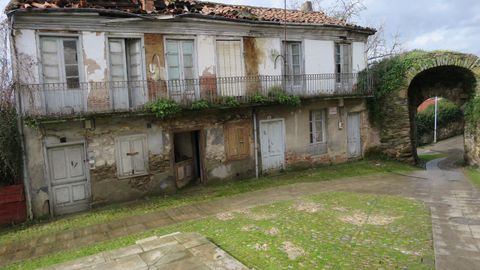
point(230, 64)
point(60, 60)
point(343, 59)
point(125, 59)
point(180, 59)
point(294, 67)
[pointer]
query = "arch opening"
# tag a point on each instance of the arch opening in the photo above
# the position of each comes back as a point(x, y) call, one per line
point(452, 83)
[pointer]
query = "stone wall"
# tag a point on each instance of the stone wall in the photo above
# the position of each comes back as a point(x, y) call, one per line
point(108, 187)
point(452, 130)
point(397, 106)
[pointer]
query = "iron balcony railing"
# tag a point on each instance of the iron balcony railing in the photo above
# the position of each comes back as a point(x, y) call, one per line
point(117, 96)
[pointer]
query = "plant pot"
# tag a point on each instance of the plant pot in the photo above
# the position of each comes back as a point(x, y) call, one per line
point(13, 209)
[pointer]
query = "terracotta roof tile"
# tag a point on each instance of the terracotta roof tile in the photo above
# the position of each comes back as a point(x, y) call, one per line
point(179, 7)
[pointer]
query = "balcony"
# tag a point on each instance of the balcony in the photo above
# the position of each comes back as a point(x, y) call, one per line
point(69, 99)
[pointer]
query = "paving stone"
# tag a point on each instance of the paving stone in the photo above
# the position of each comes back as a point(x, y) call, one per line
point(159, 242)
point(122, 252)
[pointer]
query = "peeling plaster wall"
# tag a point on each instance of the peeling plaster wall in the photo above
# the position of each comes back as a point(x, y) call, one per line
point(95, 56)
point(270, 48)
point(206, 55)
point(297, 127)
point(27, 60)
point(359, 56)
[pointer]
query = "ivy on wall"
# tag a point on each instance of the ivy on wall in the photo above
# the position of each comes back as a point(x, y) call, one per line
point(393, 74)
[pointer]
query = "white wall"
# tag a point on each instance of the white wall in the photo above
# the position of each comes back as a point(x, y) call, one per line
point(94, 56)
point(319, 56)
point(206, 55)
point(270, 48)
point(27, 59)
point(359, 56)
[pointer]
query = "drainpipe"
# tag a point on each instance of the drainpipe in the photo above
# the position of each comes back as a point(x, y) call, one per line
point(255, 145)
point(435, 124)
point(18, 105)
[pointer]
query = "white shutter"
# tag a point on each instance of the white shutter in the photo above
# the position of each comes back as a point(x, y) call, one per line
point(134, 60)
point(125, 158)
point(173, 60)
point(117, 60)
point(138, 157)
point(51, 62)
point(229, 64)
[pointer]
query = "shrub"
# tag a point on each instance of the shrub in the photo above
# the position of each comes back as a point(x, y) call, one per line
point(10, 154)
point(200, 105)
point(164, 108)
point(280, 96)
point(231, 102)
point(447, 113)
point(259, 99)
point(472, 112)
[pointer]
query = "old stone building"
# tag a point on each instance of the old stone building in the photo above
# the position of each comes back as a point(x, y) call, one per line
point(85, 71)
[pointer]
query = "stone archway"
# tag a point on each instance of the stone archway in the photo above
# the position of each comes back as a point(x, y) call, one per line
point(416, 75)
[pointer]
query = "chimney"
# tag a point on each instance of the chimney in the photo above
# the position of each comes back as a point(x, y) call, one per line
point(307, 6)
point(148, 5)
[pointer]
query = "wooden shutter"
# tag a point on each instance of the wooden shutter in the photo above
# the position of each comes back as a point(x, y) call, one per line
point(51, 62)
point(117, 59)
point(134, 59)
point(138, 155)
point(132, 156)
point(237, 140)
point(229, 58)
point(173, 60)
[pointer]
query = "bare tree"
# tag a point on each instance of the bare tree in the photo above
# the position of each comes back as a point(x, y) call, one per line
point(6, 92)
point(378, 45)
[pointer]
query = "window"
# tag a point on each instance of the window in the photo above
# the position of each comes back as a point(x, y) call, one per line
point(343, 55)
point(317, 127)
point(125, 59)
point(180, 55)
point(60, 61)
point(294, 63)
point(132, 155)
point(126, 72)
point(237, 140)
point(230, 64)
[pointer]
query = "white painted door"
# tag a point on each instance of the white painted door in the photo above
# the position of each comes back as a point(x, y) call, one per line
point(230, 64)
point(354, 143)
point(70, 188)
point(118, 74)
point(272, 144)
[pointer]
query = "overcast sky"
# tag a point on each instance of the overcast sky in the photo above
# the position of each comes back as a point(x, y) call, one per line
point(422, 24)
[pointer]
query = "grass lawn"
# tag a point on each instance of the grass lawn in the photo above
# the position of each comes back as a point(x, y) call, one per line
point(474, 175)
point(198, 194)
point(335, 230)
point(424, 158)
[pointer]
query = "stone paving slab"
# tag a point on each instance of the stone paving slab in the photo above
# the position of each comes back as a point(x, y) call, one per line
point(174, 251)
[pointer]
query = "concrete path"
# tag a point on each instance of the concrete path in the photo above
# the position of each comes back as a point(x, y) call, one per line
point(178, 251)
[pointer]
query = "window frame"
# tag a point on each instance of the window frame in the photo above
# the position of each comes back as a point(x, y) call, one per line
point(290, 82)
point(313, 126)
point(118, 155)
point(125, 37)
point(62, 36)
point(339, 53)
point(246, 130)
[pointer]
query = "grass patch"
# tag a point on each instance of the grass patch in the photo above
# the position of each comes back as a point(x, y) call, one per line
point(424, 158)
point(311, 233)
point(474, 175)
point(198, 194)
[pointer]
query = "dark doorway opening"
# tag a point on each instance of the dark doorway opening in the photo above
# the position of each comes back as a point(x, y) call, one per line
point(187, 158)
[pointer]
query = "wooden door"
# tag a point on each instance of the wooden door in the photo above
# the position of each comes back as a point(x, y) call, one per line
point(272, 144)
point(70, 188)
point(354, 143)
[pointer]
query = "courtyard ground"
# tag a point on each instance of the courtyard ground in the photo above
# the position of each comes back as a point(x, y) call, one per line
point(452, 200)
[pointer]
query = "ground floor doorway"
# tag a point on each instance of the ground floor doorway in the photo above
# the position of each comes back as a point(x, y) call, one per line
point(187, 157)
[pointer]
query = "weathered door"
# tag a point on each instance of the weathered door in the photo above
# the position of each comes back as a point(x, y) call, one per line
point(272, 144)
point(118, 74)
point(354, 143)
point(70, 188)
point(181, 70)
